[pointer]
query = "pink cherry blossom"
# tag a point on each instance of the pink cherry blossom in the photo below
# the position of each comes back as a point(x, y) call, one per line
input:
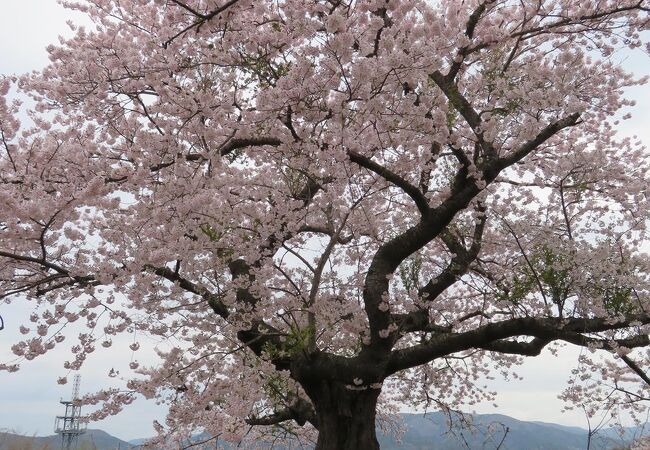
point(329, 209)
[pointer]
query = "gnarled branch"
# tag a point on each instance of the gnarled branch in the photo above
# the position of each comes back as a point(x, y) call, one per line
point(409, 189)
point(301, 411)
point(493, 337)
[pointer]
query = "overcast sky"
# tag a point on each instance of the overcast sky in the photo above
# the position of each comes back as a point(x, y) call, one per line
point(29, 398)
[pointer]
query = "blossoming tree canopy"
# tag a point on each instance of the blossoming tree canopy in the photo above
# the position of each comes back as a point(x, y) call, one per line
point(333, 207)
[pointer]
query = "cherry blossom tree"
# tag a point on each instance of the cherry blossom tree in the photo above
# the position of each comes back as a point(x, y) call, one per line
point(332, 208)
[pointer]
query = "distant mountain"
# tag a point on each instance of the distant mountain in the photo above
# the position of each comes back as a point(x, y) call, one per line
point(90, 440)
point(492, 431)
point(433, 431)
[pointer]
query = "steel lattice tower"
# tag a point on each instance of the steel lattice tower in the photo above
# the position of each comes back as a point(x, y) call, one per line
point(69, 426)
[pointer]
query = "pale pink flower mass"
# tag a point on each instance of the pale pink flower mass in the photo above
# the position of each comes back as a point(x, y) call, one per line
point(326, 206)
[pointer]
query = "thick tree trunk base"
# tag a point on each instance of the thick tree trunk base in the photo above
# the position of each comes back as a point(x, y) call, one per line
point(346, 417)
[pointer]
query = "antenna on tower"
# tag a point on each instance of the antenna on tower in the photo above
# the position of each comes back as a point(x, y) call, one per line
point(75, 387)
point(69, 426)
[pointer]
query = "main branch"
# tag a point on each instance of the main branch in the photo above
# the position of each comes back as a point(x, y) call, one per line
point(493, 337)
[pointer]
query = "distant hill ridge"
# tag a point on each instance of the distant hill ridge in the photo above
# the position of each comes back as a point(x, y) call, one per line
point(91, 440)
point(432, 431)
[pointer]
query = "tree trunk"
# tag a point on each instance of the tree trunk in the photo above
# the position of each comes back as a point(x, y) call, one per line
point(346, 417)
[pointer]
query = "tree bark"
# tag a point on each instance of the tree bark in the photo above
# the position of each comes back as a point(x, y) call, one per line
point(346, 416)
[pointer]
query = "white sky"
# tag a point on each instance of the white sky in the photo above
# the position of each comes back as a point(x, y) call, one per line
point(29, 398)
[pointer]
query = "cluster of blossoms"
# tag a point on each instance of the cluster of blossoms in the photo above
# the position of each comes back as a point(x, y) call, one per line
point(330, 208)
